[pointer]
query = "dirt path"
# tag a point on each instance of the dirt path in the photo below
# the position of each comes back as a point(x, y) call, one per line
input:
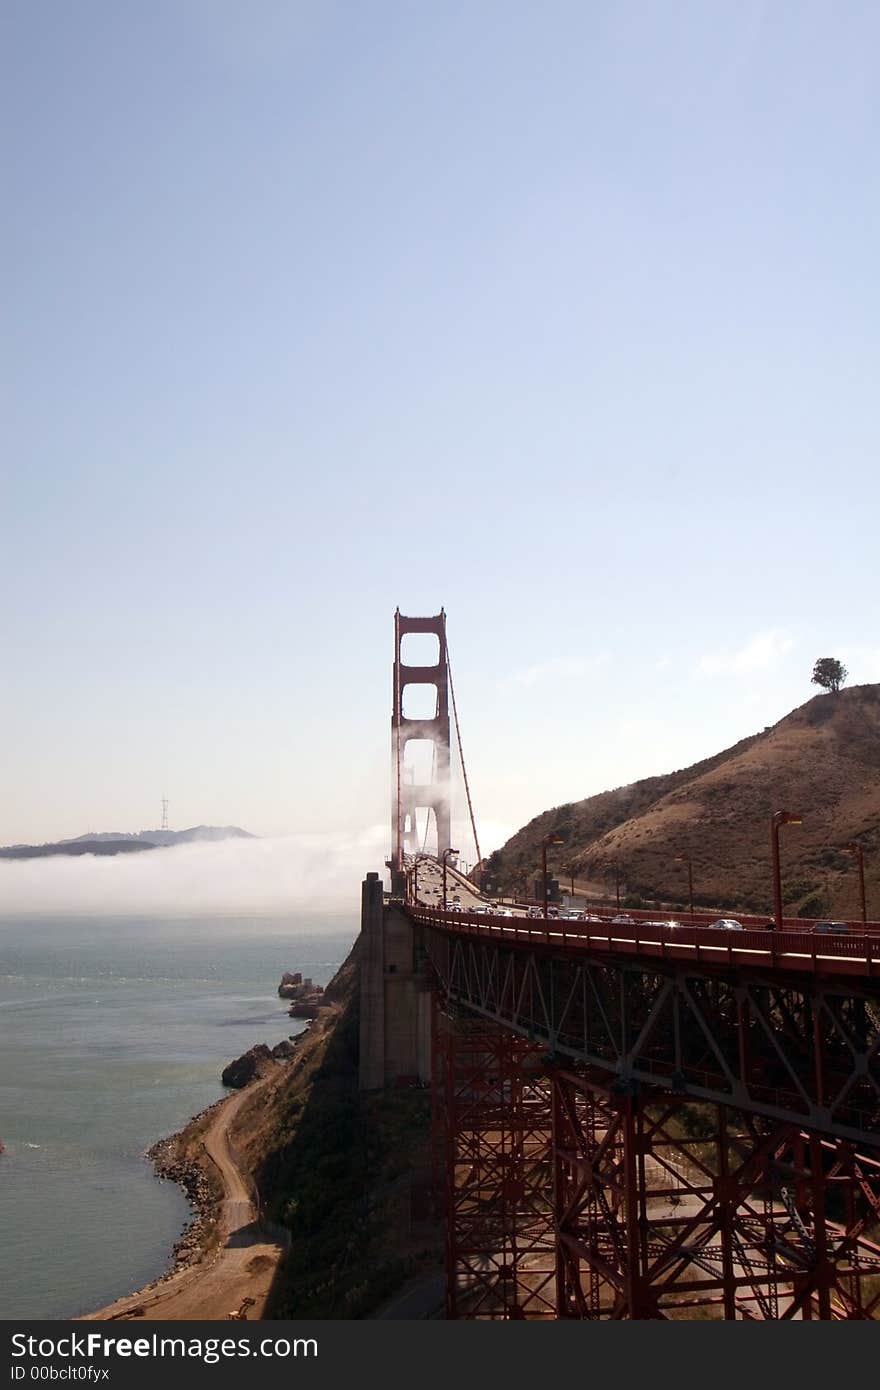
point(245, 1264)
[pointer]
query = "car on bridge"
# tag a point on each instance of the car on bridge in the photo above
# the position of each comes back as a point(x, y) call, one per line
point(727, 924)
point(623, 919)
point(831, 927)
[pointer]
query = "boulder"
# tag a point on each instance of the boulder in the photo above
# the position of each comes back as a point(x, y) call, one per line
point(246, 1067)
point(283, 1050)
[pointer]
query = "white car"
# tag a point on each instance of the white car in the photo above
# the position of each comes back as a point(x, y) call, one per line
point(727, 924)
point(623, 919)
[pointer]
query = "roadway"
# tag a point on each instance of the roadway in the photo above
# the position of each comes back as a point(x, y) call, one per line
point(246, 1262)
point(856, 953)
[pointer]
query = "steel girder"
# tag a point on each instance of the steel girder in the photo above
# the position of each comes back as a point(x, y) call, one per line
point(492, 1120)
point(798, 1049)
point(667, 1209)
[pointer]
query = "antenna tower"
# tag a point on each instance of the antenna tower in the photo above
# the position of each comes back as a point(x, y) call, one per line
point(164, 812)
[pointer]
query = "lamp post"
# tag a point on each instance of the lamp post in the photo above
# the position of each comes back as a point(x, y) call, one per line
point(617, 882)
point(547, 840)
point(859, 853)
point(445, 857)
point(686, 859)
point(615, 865)
point(779, 818)
point(415, 877)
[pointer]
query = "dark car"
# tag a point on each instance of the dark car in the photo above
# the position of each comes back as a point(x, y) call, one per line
point(831, 927)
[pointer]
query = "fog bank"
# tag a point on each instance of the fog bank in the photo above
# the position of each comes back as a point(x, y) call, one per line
point(234, 877)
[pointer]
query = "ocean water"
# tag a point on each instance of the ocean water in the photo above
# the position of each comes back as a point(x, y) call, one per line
point(113, 1032)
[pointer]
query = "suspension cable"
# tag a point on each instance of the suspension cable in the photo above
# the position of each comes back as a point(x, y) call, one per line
point(467, 789)
point(398, 851)
point(428, 812)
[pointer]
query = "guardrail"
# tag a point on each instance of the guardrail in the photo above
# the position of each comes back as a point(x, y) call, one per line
point(856, 953)
point(704, 916)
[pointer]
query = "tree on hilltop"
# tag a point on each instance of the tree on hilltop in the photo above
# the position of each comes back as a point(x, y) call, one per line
point(829, 673)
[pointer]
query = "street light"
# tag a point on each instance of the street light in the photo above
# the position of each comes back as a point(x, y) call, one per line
point(445, 857)
point(615, 865)
point(547, 840)
point(420, 859)
point(686, 859)
point(779, 818)
point(859, 853)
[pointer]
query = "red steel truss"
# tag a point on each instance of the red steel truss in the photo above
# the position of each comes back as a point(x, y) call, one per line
point(667, 1209)
point(702, 1119)
point(567, 1198)
point(493, 1123)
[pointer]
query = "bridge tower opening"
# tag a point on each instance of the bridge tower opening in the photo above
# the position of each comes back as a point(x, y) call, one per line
point(414, 794)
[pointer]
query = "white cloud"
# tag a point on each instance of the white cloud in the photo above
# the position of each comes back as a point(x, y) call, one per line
point(764, 651)
point(561, 668)
point(229, 877)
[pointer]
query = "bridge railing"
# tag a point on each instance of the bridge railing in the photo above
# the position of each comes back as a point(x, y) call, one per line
point(704, 916)
point(857, 953)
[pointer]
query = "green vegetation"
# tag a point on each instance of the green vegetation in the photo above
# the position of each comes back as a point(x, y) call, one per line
point(829, 673)
point(816, 905)
point(344, 1179)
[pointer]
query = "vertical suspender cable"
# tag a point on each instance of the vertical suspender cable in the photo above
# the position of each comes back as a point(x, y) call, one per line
point(397, 717)
point(467, 789)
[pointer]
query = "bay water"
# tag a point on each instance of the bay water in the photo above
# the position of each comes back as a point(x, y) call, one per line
point(113, 1033)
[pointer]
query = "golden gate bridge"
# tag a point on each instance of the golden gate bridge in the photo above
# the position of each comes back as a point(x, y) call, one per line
point(630, 1119)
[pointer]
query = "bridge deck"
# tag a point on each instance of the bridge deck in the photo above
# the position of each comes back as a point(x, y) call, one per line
point(853, 954)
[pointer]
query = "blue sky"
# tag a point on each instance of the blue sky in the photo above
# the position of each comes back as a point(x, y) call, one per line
point(563, 316)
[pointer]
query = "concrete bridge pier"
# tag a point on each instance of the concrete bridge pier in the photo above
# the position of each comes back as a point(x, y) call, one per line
point(395, 995)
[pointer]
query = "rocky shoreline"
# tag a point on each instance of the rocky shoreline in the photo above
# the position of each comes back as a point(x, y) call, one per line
point(172, 1163)
point(189, 1173)
point(180, 1158)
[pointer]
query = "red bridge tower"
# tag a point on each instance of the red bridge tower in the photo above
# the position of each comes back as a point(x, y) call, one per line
point(409, 797)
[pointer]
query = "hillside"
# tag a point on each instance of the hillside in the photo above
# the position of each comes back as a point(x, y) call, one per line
point(347, 1172)
point(822, 761)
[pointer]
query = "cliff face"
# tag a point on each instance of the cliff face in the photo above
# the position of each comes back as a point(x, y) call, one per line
point(347, 1174)
point(822, 760)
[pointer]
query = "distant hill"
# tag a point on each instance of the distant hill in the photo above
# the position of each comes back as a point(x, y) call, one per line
point(122, 842)
point(103, 847)
point(167, 837)
point(822, 761)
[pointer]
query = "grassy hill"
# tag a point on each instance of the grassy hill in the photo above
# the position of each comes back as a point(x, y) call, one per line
point(822, 761)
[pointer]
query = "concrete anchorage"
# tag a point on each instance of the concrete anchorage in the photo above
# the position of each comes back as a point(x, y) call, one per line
point(395, 998)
